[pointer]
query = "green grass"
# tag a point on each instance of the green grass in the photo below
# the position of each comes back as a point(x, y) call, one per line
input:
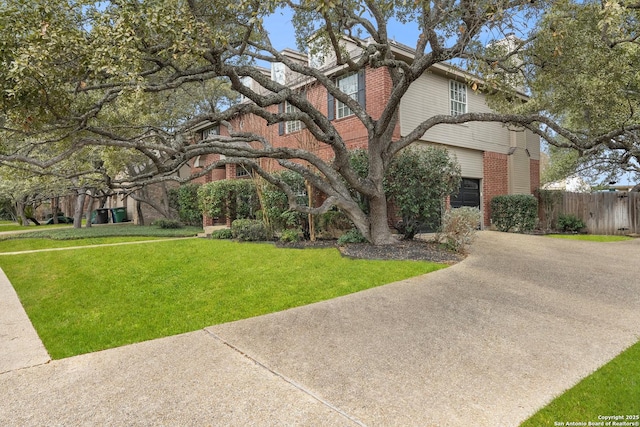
point(14, 226)
point(86, 300)
point(614, 389)
point(116, 230)
point(590, 237)
point(28, 244)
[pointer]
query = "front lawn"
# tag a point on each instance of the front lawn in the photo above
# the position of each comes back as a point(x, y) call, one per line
point(613, 390)
point(31, 244)
point(14, 226)
point(95, 298)
point(115, 230)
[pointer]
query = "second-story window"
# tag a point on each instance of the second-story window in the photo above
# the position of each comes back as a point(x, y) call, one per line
point(292, 125)
point(348, 85)
point(457, 97)
point(352, 85)
point(206, 133)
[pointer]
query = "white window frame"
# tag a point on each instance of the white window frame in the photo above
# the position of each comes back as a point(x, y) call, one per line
point(292, 125)
point(457, 98)
point(241, 171)
point(278, 73)
point(247, 82)
point(344, 84)
point(214, 130)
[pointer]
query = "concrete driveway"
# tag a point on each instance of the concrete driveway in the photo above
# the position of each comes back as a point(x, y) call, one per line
point(486, 342)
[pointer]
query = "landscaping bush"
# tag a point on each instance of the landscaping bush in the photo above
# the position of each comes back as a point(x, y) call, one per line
point(167, 224)
point(333, 223)
point(184, 199)
point(275, 204)
point(459, 227)
point(417, 182)
point(570, 223)
point(224, 233)
point(351, 236)
point(291, 235)
point(514, 212)
point(231, 198)
point(249, 230)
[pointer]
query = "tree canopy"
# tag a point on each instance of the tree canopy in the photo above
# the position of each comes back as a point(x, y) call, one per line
point(137, 76)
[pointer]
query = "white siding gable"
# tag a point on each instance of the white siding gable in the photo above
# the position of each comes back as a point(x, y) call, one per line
point(429, 96)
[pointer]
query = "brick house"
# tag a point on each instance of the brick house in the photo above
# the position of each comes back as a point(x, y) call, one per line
point(494, 159)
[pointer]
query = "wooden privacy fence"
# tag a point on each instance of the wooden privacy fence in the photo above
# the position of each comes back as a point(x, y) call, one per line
point(608, 212)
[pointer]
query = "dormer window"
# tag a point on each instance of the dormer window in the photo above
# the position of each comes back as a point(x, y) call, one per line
point(278, 73)
point(246, 82)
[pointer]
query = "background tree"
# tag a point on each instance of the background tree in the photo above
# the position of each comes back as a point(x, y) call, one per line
point(68, 67)
point(581, 69)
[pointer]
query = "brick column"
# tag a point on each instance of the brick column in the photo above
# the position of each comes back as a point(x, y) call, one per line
point(496, 180)
point(534, 172)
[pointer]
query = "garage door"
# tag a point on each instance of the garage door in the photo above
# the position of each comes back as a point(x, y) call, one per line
point(469, 194)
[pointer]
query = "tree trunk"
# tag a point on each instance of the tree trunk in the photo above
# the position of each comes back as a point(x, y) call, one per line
point(21, 213)
point(77, 213)
point(139, 211)
point(379, 231)
point(55, 201)
point(312, 226)
point(90, 204)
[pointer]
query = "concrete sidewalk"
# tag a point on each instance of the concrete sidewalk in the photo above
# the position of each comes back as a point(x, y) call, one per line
point(486, 342)
point(20, 345)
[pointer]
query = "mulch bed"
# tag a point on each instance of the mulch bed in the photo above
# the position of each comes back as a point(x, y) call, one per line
point(416, 250)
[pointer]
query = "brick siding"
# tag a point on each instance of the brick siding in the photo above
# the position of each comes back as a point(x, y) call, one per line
point(534, 171)
point(495, 182)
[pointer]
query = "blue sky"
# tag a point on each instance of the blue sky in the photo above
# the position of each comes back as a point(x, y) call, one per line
point(282, 34)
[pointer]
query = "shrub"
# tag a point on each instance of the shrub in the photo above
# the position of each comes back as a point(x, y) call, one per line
point(333, 223)
point(517, 212)
point(459, 227)
point(167, 223)
point(275, 204)
point(417, 182)
point(291, 235)
point(223, 233)
point(249, 230)
point(570, 223)
point(184, 199)
point(351, 236)
point(231, 198)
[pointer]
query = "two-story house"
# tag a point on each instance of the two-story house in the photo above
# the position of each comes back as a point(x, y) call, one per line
point(495, 159)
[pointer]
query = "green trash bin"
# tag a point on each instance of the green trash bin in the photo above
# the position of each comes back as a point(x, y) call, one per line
point(119, 214)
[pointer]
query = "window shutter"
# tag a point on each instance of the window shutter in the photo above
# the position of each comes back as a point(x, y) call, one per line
point(361, 88)
point(331, 107)
point(281, 124)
